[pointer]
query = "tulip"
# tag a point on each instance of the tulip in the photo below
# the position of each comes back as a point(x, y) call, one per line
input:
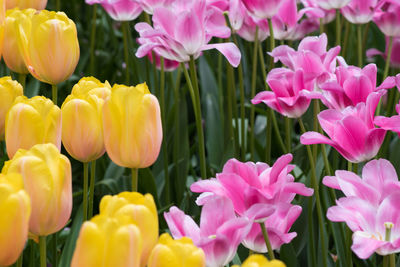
point(257, 260)
point(15, 208)
point(332, 4)
point(47, 180)
point(395, 55)
point(188, 35)
point(2, 20)
point(360, 11)
point(142, 210)
point(132, 126)
point(108, 241)
point(352, 131)
point(150, 5)
point(247, 29)
point(82, 126)
point(119, 10)
point(92, 86)
point(219, 234)
point(375, 221)
point(49, 45)
point(24, 4)
point(263, 9)
point(387, 18)
point(9, 91)
point(11, 54)
point(176, 253)
point(32, 121)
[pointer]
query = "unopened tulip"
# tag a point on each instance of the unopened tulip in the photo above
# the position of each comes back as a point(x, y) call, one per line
point(176, 253)
point(9, 91)
point(32, 121)
point(258, 260)
point(49, 45)
point(11, 54)
point(132, 126)
point(91, 85)
point(15, 209)
point(108, 242)
point(47, 179)
point(142, 210)
point(82, 126)
point(24, 4)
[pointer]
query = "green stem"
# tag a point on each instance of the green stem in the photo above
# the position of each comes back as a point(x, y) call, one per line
point(346, 38)
point(392, 260)
point(54, 250)
point(321, 26)
point(134, 179)
point(91, 188)
point(233, 135)
point(164, 124)
point(266, 239)
point(349, 166)
point(85, 189)
point(359, 44)
point(58, 5)
point(338, 28)
point(54, 91)
point(22, 79)
point(348, 246)
point(93, 39)
point(125, 26)
point(311, 233)
point(177, 141)
point(197, 106)
point(365, 36)
point(388, 58)
point(242, 99)
point(32, 253)
point(253, 93)
point(20, 260)
point(316, 110)
point(42, 245)
point(315, 185)
point(288, 130)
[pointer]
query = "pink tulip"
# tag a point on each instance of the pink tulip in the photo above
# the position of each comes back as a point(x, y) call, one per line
point(392, 123)
point(370, 205)
point(289, 92)
point(328, 15)
point(247, 29)
point(387, 18)
point(263, 9)
point(361, 11)
point(331, 4)
point(351, 85)
point(186, 35)
point(219, 234)
point(260, 193)
point(395, 58)
point(316, 62)
point(150, 5)
point(119, 10)
point(352, 131)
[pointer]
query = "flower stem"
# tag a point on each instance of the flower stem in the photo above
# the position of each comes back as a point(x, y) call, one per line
point(346, 38)
point(42, 245)
point(359, 44)
point(93, 39)
point(321, 26)
point(338, 28)
point(54, 250)
point(85, 189)
point(267, 242)
point(91, 188)
point(125, 26)
point(54, 91)
point(288, 130)
point(58, 5)
point(253, 93)
point(20, 260)
point(388, 58)
point(315, 185)
point(164, 127)
point(177, 141)
point(134, 179)
point(392, 260)
point(233, 134)
point(22, 80)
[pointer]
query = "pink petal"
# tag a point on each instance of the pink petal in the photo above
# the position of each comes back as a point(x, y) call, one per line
point(364, 246)
point(181, 225)
point(229, 50)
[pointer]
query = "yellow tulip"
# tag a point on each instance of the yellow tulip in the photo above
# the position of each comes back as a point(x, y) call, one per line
point(47, 179)
point(9, 91)
point(257, 260)
point(176, 253)
point(11, 53)
point(49, 45)
point(23, 4)
point(132, 126)
point(82, 126)
point(108, 242)
point(15, 209)
point(32, 121)
point(91, 85)
point(142, 209)
point(2, 20)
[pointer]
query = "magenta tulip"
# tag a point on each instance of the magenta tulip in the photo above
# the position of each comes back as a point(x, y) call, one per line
point(119, 10)
point(361, 11)
point(387, 18)
point(263, 9)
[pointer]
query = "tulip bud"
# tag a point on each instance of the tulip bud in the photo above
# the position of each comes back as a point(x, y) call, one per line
point(32, 121)
point(176, 253)
point(132, 126)
point(24, 4)
point(82, 124)
point(91, 85)
point(49, 45)
point(9, 91)
point(15, 209)
point(257, 260)
point(47, 179)
point(108, 241)
point(141, 209)
point(11, 54)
